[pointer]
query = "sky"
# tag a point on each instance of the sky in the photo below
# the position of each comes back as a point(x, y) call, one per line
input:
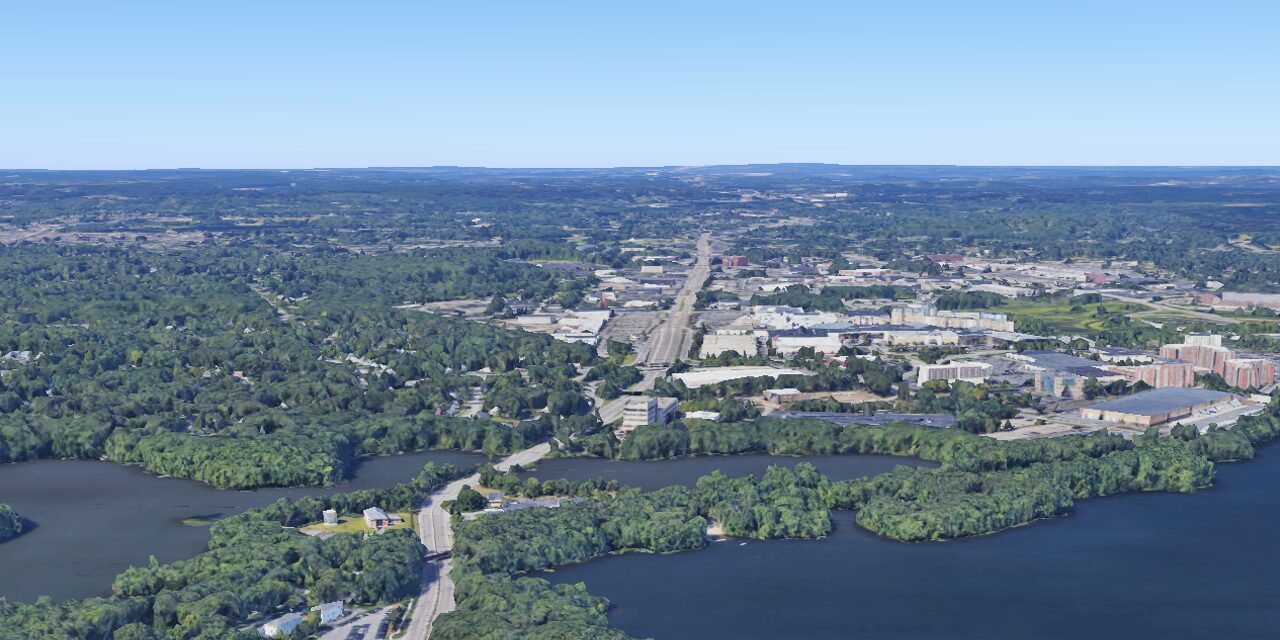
point(552, 83)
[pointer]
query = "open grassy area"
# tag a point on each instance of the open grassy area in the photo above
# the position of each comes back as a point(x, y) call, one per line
point(1065, 315)
point(353, 524)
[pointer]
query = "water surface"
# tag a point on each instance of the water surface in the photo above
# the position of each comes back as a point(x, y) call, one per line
point(1151, 565)
point(94, 519)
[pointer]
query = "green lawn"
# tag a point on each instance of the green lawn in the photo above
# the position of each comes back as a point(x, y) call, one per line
point(1063, 315)
point(352, 524)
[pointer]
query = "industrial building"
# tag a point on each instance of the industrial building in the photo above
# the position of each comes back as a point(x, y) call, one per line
point(975, 372)
point(1156, 407)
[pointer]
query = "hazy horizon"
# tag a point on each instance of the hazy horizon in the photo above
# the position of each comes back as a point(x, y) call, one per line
point(589, 85)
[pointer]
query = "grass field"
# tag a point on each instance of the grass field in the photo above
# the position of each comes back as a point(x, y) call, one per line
point(1064, 315)
point(352, 524)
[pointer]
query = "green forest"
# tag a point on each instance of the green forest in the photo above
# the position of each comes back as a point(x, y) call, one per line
point(11, 524)
point(245, 368)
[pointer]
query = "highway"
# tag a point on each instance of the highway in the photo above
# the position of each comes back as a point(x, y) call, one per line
point(667, 341)
point(437, 535)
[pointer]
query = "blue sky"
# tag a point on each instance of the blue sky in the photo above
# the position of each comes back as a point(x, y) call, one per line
point(608, 83)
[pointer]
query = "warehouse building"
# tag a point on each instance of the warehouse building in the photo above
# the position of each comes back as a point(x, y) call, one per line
point(1156, 407)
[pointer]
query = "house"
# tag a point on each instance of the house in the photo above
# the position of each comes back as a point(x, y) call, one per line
point(329, 611)
point(282, 626)
point(495, 499)
point(376, 518)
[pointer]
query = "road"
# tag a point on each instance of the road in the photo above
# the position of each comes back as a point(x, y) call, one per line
point(437, 535)
point(667, 342)
point(1164, 308)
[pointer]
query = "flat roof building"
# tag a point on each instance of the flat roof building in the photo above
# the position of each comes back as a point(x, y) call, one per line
point(1155, 407)
point(695, 378)
point(975, 372)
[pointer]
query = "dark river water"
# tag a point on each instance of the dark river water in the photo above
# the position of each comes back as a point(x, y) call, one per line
point(1131, 567)
point(95, 519)
point(655, 474)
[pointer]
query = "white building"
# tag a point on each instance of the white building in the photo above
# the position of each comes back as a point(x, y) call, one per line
point(744, 343)
point(712, 416)
point(282, 626)
point(329, 611)
point(921, 338)
point(828, 343)
point(695, 378)
point(645, 410)
point(975, 372)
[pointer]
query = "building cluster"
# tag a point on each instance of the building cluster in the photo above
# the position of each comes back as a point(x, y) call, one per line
point(569, 326)
point(1206, 354)
point(955, 273)
point(786, 330)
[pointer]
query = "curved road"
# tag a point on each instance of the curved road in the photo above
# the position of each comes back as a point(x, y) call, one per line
point(437, 535)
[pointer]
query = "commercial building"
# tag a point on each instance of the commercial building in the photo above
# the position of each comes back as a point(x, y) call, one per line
point(788, 343)
point(1156, 407)
point(734, 261)
point(1235, 300)
point(695, 378)
point(975, 372)
point(919, 338)
point(1063, 375)
point(646, 410)
point(744, 343)
point(927, 314)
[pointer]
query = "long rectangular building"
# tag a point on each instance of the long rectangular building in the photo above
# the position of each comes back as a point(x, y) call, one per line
point(1155, 407)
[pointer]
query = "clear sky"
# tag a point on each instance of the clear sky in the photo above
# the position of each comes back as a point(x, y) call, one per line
point(130, 84)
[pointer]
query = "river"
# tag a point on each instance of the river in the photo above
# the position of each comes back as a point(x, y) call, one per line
point(95, 519)
point(1152, 565)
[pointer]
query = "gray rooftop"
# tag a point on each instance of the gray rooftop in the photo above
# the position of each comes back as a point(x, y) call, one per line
point(1054, 361)
point(1161, 401)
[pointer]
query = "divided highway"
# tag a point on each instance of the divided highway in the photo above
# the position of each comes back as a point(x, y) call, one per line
point(667, 342)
